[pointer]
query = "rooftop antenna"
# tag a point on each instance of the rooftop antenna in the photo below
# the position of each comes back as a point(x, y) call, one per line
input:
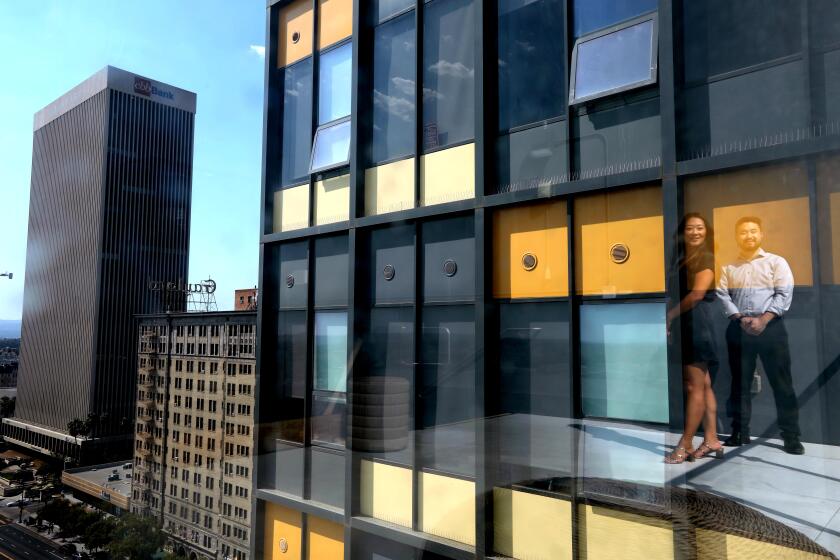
point(8, 274)
point(203, 300)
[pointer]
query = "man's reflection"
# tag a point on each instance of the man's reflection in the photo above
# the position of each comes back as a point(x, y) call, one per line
point(696, 266)
point(756, 291)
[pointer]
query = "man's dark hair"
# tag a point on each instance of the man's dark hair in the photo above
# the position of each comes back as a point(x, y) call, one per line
point(749, 219)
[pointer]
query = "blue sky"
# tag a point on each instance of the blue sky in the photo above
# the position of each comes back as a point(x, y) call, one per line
point(211, 47)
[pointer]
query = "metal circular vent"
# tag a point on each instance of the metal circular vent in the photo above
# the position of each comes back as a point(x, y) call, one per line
point(389, 272)
point(296, 37)
point(529, 261)
point(284, 546)
point(450, 267)
point(290, 281)
point(619, 253)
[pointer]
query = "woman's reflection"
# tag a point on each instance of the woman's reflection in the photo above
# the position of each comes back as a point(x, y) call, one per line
point(695, 264)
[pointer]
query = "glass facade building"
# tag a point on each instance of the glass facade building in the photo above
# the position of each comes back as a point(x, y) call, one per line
point(547, 279)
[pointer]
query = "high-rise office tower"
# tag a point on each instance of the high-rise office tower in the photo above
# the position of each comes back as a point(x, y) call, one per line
point(109, 212)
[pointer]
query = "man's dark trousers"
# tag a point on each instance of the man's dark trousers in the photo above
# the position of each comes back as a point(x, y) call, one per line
point(773, 349)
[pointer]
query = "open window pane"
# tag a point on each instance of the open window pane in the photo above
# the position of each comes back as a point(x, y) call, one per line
point(616, 61)
point(331, 351)
point(335, 74)
point(297, 121)
point(624, 369)
point(332, 147)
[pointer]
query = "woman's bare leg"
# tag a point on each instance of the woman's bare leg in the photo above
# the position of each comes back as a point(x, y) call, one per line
point(710, 415)
point(695, 404)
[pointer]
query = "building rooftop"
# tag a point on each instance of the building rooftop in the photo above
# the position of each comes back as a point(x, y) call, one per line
point(120, 80)
point(94, 481)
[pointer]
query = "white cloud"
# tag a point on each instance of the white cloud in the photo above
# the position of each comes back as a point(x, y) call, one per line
point(454, 69)
point(258, 50)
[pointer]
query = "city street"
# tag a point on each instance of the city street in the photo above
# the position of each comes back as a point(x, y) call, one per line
point(19, 543)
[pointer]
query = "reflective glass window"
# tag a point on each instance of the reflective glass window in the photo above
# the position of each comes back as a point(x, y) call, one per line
point(446, 395)
point(394, 87)
point(592, 15)
point(724, 35)
point(531, 68)
point(331, 351)
point(290, 384)
point(329, 423)
point(448, 73)
point(297, 121)
point(331, 270)
point(332, 146)
point(616, 61)
point(335, 68)
point(386, 8)
point(623, 361)
point(533, 157)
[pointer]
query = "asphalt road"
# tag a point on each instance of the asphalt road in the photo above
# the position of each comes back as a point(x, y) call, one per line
point(16, 543)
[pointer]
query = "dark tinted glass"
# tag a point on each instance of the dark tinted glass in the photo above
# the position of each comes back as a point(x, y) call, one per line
point(592, 15)
point(446, 395)
point(294, 275)
point(531, 72)
point(392, 264)
point(533, 157)
point(386, 8)
point(331, 269)
point(328, 420)
point(393, 89)
point(448, 260)
point(534, 359)
point(290, 387)
point(448, 73)
point(724, 35)
point(297, 121)
point(824, 16)
point(616, 60)
point(327, 477)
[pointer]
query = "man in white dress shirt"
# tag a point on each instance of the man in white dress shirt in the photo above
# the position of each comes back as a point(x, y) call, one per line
point(756, 291)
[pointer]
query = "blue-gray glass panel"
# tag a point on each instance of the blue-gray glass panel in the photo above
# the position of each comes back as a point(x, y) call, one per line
point(724, 35)
point(332, 267)
point(448, 73)
point(331, 351)
point(386, 8)
point(531, 54)
point(297, 122)
point(335, 74)
point(332, 146)
point(327, 477)
point(294, 275)
point(533, 157)
point(394, 110)
point(329, 422)
point(592, 15)
point(448, 260)
point(616, 60)
point(624, 369)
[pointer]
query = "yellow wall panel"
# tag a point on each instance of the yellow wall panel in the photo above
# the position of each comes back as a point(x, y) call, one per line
point(608, 533)
point(531, 527)
point(291, 208)
point(332, 200)
point(834, 208)
point(630, 217)
point(828, 202)
point(447, 507)
point(712, 545)
point(389, 187)
point(541, 230)
point(386, 492)
point(284, 524)
point(447, 175)
point(325, 539)
point(777, 194)
point(296, 18)
point(335, 21)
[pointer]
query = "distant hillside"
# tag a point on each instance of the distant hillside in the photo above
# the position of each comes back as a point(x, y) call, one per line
point(9, 328)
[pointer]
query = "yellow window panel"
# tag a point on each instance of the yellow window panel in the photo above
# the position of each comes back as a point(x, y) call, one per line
point(447, 175)
point(291, 208)
point(447, 507)
point(608, 533)
point(386, 492)
point(282, 533)
point(325, 539)
point(294, 40)
point(389, 187)
point(332, 200)
point(531, 527)
point(619, 242)
point(335, 21)
point(539, 231)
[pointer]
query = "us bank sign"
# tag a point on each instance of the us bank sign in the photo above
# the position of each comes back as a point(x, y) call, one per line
point(145, 87)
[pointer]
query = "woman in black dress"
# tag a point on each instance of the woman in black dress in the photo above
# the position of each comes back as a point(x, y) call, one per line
point(696, 267)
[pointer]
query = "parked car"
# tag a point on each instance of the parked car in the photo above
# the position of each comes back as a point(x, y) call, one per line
point(113, 476)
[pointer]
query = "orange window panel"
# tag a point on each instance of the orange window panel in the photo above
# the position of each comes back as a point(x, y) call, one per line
point(325, 539)
point(294, 40)
point(619, 242)
point(283, 534)
point(335, 21)
point(530, 251)
point(778, 195)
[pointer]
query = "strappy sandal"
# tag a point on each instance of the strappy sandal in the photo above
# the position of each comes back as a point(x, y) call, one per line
point(705, 450)
point(680, 455)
